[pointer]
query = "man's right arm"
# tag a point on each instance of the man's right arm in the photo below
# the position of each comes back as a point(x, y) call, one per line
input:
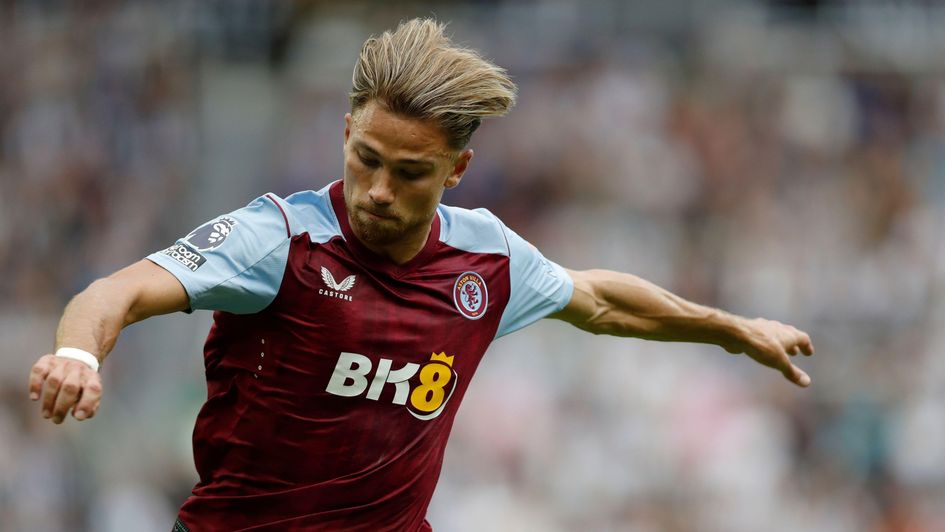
point(233, 263)
point(92, 322)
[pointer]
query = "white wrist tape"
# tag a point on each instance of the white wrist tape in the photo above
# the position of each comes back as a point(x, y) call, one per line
point(80, 355)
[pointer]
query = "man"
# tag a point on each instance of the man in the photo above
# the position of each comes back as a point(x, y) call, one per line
point(349, 321)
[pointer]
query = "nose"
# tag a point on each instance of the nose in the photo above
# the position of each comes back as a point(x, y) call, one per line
point(382, 189)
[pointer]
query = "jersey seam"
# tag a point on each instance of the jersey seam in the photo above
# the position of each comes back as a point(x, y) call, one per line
point(461, 250)
point(508, 247)
point(288, 231)
point(488, 216)
point(334, 215)
point(251, 266)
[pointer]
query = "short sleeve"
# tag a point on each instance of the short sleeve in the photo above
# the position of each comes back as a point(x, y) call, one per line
point(539, 287)
point(234, 262)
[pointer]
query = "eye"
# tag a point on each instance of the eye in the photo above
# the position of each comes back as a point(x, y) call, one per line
point(412, 174)
point(368, 161)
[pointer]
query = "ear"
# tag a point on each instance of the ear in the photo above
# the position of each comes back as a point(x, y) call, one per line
point(348, 121)
point(459, 168)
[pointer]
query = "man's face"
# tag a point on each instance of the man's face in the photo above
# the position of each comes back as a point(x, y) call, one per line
point(396, 169)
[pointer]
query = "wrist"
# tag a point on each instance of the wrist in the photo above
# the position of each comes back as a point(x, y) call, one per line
point(81, 355)
point(737, 335)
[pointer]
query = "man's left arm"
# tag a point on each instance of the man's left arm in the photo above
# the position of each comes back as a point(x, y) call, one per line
point(620, 304)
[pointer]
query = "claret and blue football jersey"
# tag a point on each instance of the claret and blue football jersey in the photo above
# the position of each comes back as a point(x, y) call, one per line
point(334, 375)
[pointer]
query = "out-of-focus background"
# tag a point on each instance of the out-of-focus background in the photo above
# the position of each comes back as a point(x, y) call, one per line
point(778, 159)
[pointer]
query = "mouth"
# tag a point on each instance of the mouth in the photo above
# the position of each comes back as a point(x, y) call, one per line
point(376, 216)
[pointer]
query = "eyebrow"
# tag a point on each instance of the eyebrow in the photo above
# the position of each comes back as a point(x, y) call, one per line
point(361, 145)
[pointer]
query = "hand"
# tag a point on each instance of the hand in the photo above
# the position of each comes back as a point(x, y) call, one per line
point(772, 343)
point(62, 384)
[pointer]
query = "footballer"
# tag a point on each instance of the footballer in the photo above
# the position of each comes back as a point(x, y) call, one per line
point(349, 321)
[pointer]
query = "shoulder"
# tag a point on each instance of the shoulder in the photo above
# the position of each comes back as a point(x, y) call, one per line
point(308, 211)
point(477, 230)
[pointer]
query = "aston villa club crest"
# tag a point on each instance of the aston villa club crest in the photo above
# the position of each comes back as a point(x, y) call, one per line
point(471, 295)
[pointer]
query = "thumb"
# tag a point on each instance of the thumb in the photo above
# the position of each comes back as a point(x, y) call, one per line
point(796, 375)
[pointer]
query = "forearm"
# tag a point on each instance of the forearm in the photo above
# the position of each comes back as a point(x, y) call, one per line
point(92, 322)
point(621, 304)
point(94, 318)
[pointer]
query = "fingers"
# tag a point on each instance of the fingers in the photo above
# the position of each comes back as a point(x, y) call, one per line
point(68, 395)
point(51, 387)
point(776, 343)
point(68, 384)
point(38, 375)
point(789, 370)
point(798, 342)
point(795, 375)
point(807, 347)
point(90, 398)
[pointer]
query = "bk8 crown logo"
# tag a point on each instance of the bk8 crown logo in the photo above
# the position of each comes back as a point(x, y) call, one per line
point(428, 397)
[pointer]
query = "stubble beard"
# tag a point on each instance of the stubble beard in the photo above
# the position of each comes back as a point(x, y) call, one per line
point(379, 232)
point(383, 233)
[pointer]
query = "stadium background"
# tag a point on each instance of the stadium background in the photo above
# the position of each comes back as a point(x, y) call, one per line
point(776, 159)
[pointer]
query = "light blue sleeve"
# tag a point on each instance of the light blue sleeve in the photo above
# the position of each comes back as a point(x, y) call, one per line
point(234, 262)
point(539, 287)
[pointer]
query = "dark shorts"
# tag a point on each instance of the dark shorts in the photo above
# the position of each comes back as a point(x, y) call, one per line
point(179, 526)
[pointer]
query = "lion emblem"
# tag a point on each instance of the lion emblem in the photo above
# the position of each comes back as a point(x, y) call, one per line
point(211, 234)
point(471, 293)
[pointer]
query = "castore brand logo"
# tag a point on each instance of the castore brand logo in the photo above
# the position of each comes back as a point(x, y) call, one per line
point(336, 289)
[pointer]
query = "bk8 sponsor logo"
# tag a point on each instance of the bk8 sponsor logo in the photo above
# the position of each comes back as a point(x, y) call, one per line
point(437, 381)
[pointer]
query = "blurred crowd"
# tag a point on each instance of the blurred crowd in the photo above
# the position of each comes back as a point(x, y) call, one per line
point(784, 160)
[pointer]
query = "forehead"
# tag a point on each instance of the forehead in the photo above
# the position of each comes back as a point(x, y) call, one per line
point(396, 136)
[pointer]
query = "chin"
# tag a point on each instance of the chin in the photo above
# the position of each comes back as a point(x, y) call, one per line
point(378, 233)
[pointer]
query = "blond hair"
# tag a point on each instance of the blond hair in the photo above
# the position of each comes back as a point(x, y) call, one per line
point(418, 72)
